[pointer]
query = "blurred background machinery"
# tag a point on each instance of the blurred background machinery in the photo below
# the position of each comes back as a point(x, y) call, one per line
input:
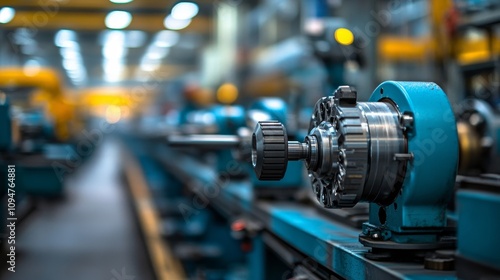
point(261, 139)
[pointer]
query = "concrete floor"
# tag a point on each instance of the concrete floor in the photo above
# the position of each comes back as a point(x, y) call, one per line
point(90, 234)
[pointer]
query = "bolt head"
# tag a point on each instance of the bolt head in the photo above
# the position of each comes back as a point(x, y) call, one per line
point(407, 120)
point(346, 96)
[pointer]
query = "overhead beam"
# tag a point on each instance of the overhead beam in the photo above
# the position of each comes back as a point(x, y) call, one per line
point(42, 20)
point(97, 4)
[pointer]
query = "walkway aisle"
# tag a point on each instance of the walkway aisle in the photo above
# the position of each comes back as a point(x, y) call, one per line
point(89, 235)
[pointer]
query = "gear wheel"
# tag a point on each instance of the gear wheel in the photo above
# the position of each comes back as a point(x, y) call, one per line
point(269, 150)
point(355, 151)
point(342, 186)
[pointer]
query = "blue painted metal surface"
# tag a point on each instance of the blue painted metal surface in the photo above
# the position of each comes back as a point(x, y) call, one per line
point(275, 107)
point(419, 211)
point(417, 215)
point(301, 226)
point(36, 176)
point(478, 227)
point(5, 127)
point(316, 8)
point(331, 244)
point(294, 177)
point(256, 260)
point(195, 230)
point(228, 119)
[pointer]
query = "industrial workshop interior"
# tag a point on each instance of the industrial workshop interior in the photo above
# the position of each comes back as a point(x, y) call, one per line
point(249, 139)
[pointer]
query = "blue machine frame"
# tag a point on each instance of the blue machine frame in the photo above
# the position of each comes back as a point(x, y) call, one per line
point(418, 214)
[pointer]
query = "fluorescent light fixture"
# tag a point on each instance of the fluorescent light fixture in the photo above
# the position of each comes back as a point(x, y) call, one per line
point(155, 52)
point(111, 36)
point(111, 66)
point(65, 38)
point(71, 45)
point(114, 52)
point(113, 77)
point(75, 75)
point(129, 38)
point(70, 54)
point(7, 14)
point(184, 10)
point(148, 64)
point(166, 38)
point(113, 70)
point(120, 1)
point(69, 64)
point(176, 24)
point(118, 19)
point(114, 37)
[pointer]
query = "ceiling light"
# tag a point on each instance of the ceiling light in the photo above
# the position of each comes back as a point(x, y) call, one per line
point(75, 74)
point(70, 54)
point(113, 37)
point(118, 19)
point(166, 38)
point(148, 64)
point(131, 39)
point(65, 38)
point(71, 45)
point(120, 1)
point(113, 71)
point(114, 52)
point(69, 64)
point(112, 67)
point(176, 24)
point(7, 14)
point(155, 52)
point(184, 10)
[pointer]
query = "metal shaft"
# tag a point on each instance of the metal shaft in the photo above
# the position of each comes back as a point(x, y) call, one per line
point(297, 150)
point(204, 141)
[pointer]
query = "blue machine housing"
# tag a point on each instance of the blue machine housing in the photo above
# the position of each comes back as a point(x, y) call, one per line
point(478, 227)
point(36, 175)
point(6, 135)
point(228, 119)
point(275, 107)
point(418, 214)
point(294, 176)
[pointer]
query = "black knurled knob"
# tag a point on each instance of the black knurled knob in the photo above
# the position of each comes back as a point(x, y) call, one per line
point(269, 150)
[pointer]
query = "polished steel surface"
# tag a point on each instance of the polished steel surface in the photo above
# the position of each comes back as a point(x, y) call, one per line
point(354, 152)
point(204, 141)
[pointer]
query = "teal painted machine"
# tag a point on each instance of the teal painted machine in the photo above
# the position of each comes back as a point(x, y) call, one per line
point(228, 120)
point(478, 201)
point(32, 156)
point(5, 125)
point(294, 177)
point(221, 119)
point(399, 152)
point(233, 145)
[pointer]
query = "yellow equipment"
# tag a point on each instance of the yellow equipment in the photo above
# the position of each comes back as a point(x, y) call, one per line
point(49, 94)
